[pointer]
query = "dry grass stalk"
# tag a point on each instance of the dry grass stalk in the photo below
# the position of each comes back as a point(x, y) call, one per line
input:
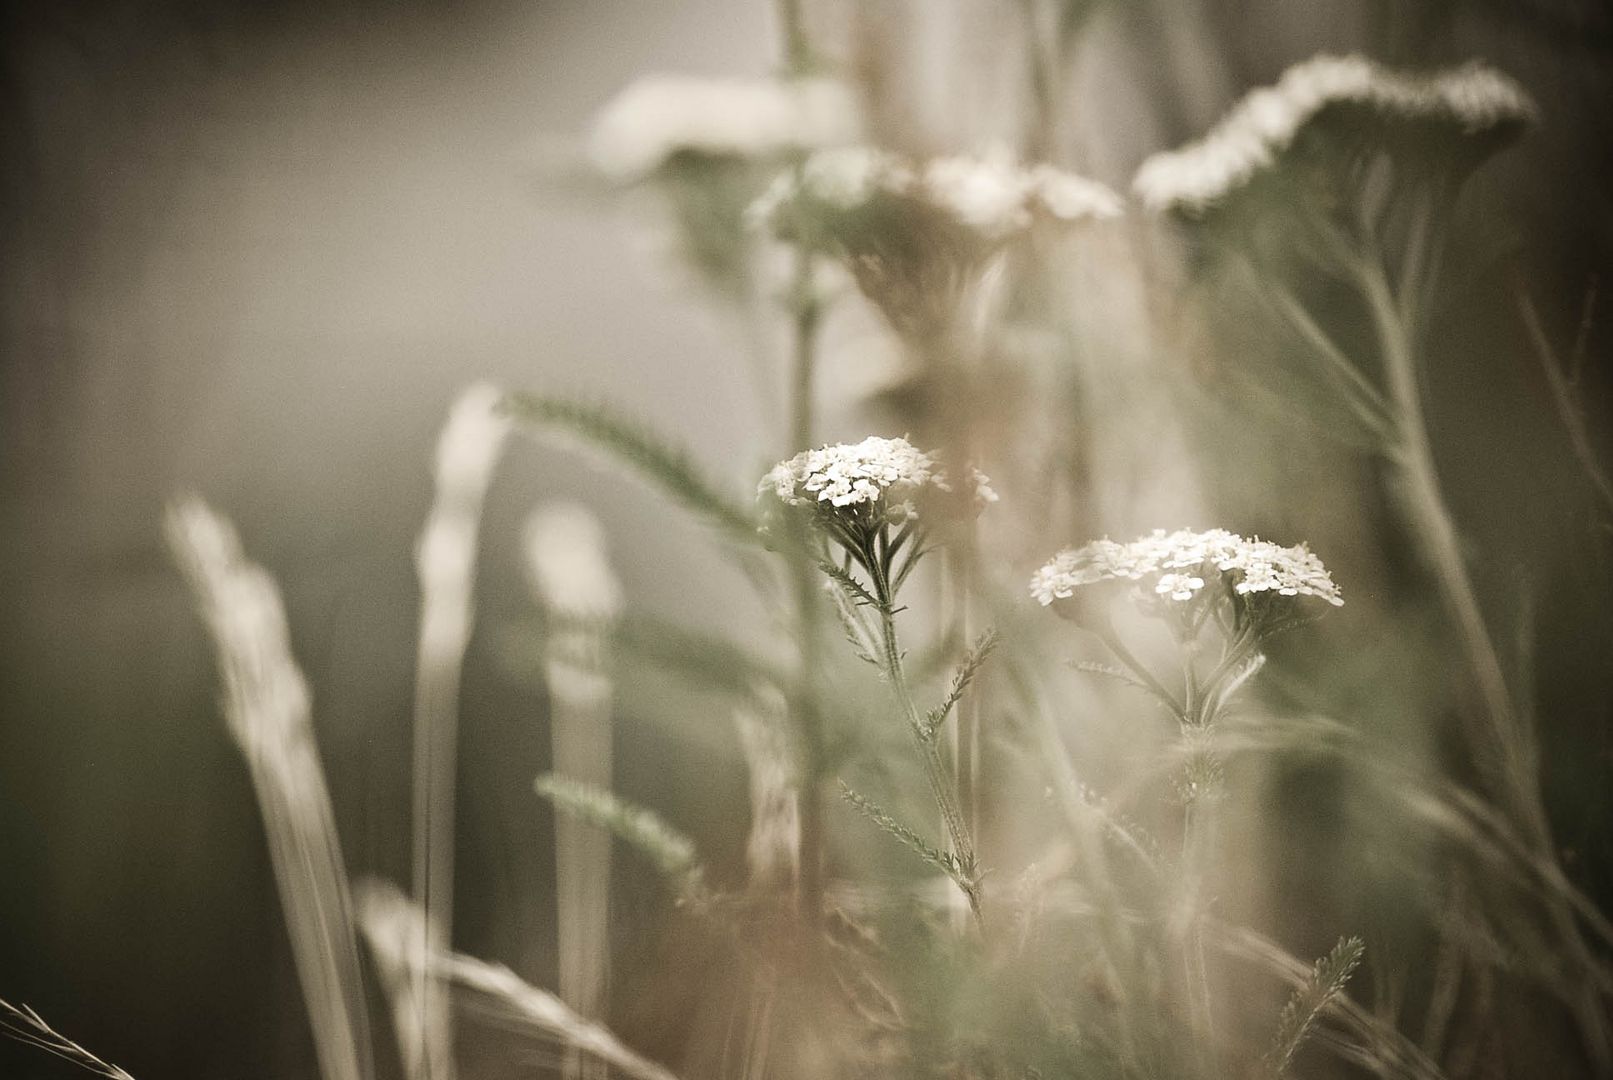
point(29, 1028)
point(572, 579)
point(446, 561)
point(393, 927)
point(267, 706)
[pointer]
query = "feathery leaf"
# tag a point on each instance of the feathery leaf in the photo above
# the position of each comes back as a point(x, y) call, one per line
point(966, 673)
point(672, 853)
point(662, 463)
point(944, 861)
point(1325, 983)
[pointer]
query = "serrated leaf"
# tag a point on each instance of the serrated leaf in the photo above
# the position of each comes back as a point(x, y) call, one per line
point(972, 663)
point(1325, 983)
point(856, 591)
point(672, 853)
point(658, 460)
point(941, 860)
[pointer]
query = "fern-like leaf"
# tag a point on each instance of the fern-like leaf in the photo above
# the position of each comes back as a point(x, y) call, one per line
point(1109, 671)
point(703, 659)
point(672, 853)
point(858, 634)
point(972, 663)
point(855, 590)
point(659, 461)
point(1325, 983)
point(944, 861)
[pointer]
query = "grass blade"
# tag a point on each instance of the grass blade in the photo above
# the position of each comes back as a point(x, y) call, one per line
point(267, 707)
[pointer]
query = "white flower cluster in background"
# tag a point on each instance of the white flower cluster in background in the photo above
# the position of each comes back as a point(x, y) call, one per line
point(659, 116)
point(1473, 98)
point(892, 473)
point(990, 195)
point(1180, 563)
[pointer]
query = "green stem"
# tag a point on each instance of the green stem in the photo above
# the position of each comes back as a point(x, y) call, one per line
point(1145, 677)
point(1412, 457)
point(935, 768)
point(1195, 848)
point(797, 48)
point(808, 708)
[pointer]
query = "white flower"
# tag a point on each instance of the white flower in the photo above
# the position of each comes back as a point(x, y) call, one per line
point(989, 196)
point(1474, 98)
point(1068, 197)
point(1178, 586)
point(890, 476)
point(1183, 561)
point(661, 115)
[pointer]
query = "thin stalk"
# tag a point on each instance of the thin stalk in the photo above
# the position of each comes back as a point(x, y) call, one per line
point(1195, 848)
point(1199, 702)
point(1509, 772)
point(935, 770)
point(808, 708)
point(1145, 677)
point(797, 46)
point(1042, 83)
point(968, 708)
point(1412, 456)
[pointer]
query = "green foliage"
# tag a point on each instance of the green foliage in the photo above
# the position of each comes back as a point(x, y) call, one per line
point(672, 853)
point(1325, 983)
point(657, 460)
point(966, 673)
point(944, 861)
point(703, 659)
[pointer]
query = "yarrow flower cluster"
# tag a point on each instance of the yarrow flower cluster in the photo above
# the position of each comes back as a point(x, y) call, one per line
point(882, 480)
point(1472, 99)
point(917, 235)
point(990, 196)
point(661, 116)
point(1177, 566)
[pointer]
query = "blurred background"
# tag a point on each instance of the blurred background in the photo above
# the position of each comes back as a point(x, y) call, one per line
point(254, 249)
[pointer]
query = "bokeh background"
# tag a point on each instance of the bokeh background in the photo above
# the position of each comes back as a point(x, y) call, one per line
point(253, 250)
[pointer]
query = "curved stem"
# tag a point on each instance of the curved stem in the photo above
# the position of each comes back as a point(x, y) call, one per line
point(1412, 457)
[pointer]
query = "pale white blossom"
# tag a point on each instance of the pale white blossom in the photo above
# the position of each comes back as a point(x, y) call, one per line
point(659, 116)
point(890, 476)
point(990, 196)
point(1178, 565)
point(1473, 98)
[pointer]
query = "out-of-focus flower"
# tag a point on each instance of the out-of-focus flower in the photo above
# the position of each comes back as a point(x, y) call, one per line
point(1179, 564)
point(990, 196)
point(917, 235)
point(1471, 100)
point(659, 117)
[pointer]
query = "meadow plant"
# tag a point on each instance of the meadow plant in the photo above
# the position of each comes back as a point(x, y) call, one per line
point(1055, 928)
point(577, 588)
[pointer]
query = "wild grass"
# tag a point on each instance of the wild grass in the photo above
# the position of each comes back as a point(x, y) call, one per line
point(1008, 823)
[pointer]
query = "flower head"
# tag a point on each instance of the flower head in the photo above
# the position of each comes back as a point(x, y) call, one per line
point(989, 197)
point(659, 117)
point(1177, 567)
point(881, 481)
point(1467, 101)
point(915, 234)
